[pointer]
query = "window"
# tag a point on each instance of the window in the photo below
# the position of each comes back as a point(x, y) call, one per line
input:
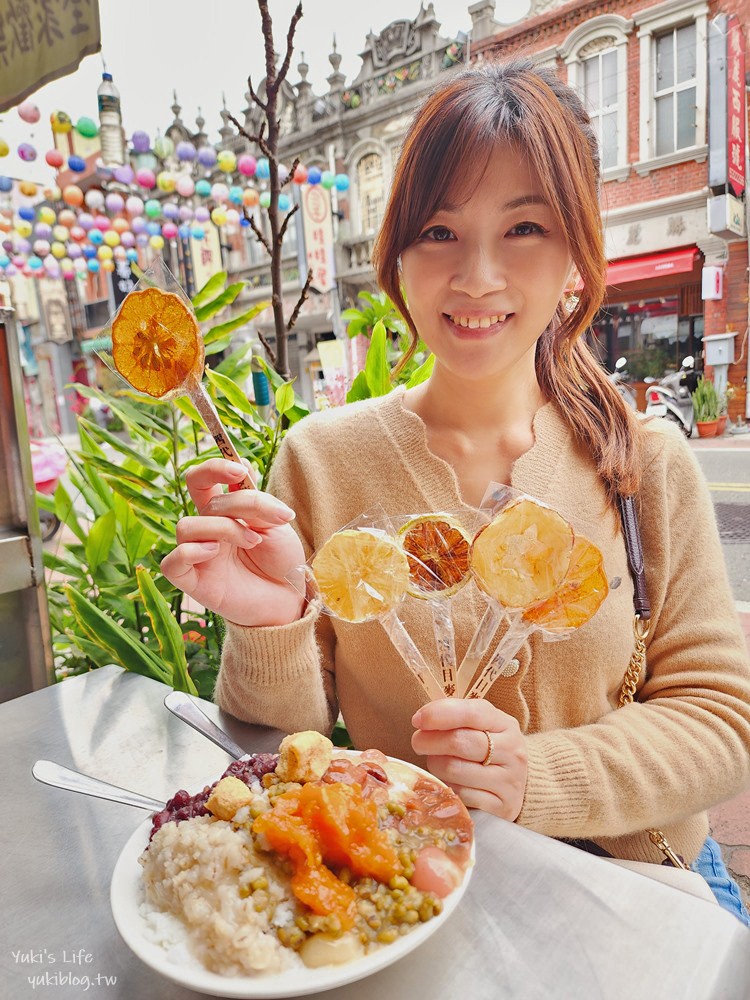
point(600, 92)
point(371, 191)
point(675, 67)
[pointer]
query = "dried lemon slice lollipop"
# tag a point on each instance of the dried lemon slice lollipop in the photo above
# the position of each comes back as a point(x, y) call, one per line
point(521, 557)
point(580, 595)
point(360, 574)
point(437, 548)
point(158, 349)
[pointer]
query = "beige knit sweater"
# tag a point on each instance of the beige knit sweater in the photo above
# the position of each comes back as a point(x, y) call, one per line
point(593, 772)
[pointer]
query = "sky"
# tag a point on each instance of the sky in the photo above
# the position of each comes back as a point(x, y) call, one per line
point(154, 47)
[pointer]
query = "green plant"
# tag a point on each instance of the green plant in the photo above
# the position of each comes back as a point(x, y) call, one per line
point(650, 363)
point(108, 601)
point(705, 401)
point(376, 379)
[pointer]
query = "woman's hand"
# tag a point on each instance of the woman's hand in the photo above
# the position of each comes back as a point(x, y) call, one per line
point(235, 556)
point(452, 734)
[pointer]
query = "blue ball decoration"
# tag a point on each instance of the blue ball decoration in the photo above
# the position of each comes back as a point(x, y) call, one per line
point(284, 203)
point(93, 265)
point(132, 255)
point(89, 252)
point(27, 213)
point(235, 195)
point(184, 231)
point(6, 184)
point(313, 175)
point(197, 232)
point(262, 169)
point(342, 182)
point(203, 188)
point(77, 164)
point(35, 263)
point(96, 236)
point(153, 229)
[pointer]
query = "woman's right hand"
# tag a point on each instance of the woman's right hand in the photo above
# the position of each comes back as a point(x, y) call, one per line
point(236, 555)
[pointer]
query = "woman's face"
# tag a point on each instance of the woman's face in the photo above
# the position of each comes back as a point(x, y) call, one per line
point(484, 278)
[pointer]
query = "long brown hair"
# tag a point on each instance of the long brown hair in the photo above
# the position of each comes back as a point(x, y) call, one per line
point(453, 135)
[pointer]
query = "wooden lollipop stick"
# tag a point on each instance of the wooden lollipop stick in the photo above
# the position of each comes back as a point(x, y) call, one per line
point(204, 405)
point(445, 640)
point(501, 664)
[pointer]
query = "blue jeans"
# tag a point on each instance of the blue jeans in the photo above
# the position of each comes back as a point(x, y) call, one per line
point(710, 865)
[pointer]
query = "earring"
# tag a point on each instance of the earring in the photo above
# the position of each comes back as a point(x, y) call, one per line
point(570, 301)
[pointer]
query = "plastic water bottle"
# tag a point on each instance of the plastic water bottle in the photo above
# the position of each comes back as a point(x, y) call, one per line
point(110, 122)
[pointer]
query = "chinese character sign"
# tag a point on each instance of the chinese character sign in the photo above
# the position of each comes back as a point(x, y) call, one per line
point(206, 256)
point(735, 106)
point(318, 228)
point(41, 40)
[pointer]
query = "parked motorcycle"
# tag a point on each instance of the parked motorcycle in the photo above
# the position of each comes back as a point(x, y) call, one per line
point(672, 397)
point(620, 379)
point(48, 463)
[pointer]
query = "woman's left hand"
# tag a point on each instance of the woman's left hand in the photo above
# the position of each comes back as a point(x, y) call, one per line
point(453, 734)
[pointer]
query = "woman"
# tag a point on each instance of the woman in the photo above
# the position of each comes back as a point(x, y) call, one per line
point(493, 220)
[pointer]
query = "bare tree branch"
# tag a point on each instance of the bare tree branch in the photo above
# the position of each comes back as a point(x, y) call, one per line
point(267, 27)
point(252, 138)
point(303, 296)
point(289, 48)
point(284, 224)
point(260, 235)
point(267, 348)
point(261, 104)
point(290, 178)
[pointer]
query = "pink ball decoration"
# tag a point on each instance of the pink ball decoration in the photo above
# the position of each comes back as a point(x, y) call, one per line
point(127, 239)
point(77, 234)
point(102, 223)
point(185, 186)
point(246, 165)
point(219, 192)
point(114, 203)
point(54, 158)
point(134, 205)
point(186, 213)
point(28, 112)
point(146, 179)
point(169, 231)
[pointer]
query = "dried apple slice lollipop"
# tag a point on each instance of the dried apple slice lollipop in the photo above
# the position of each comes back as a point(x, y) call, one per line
point(437, 548)
point(157, 348)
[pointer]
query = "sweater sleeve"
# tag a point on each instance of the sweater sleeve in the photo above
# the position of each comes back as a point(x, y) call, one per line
point(283, 676)
point(684, 744)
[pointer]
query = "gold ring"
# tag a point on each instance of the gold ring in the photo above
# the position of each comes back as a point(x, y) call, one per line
point(490, 749)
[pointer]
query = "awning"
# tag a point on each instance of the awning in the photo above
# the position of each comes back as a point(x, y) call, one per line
point(653, 265)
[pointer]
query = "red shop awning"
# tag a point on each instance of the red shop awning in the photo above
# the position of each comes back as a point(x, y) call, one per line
point(653, 265)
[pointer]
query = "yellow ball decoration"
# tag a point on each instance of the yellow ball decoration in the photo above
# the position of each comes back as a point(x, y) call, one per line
point(104, 253)
point(226, 161)
point(24, 228)
point(28, 188)
point(46, 215)
point(108, 265)
point(219, 217)
point(60, 122)
point(157, 242)
point(61, 233)
point(58, 250)
point(111, 238)
point(166, 181)
point(4, 148)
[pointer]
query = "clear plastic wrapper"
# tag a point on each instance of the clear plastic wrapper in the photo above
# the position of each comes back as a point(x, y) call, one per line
point(157, 349)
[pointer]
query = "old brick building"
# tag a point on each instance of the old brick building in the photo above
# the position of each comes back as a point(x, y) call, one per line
point(654, 77)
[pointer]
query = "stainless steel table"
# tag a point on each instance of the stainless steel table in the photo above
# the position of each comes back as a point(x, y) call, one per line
point(539, 920)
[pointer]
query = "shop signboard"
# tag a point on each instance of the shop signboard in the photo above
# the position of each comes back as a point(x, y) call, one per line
point(318, 234)
point(735, 106)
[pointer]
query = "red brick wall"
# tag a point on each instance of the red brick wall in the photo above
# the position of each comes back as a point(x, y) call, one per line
point(730, 313)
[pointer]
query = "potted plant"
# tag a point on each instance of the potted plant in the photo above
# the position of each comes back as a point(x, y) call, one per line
point(706, 408)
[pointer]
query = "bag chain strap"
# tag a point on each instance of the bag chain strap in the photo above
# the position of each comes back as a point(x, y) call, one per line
point(627, 696)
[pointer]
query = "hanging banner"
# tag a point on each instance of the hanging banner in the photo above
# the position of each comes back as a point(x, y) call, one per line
point(123, 281)
point(318, 230)
point(42, 40)
point(735, 106)
point(206, 256)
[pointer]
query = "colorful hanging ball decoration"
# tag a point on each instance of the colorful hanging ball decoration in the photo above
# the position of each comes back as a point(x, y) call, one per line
point(163, 147)
point(6, 224)
point(28, 188)
point(77, 164)
point(47, 215)
point(96, 237)
point(185, 186)
point(140, 142)
point(94, 199)
point(219, 217)
point(60, 122)
point(67, 218)
point(54, 158)
point(127, 239)
point(198, 232)
point(169, 231)
point(60, 233)
point(186, 152)
point(262, 169)
point(184, 231)
point(202, 214)
point(219, 192)
point(233, 217)
point(186, 213)
point(72, 195)
point(27, 213)
point(152, 208)
point(226, 161)
point(265, 199)
point(4, 261)
point(104, 253)
point(53, 193)
point(42, 231)
point(284, 203)
point(156, 242)
point(138, 225)
point(327, 179)
point(35, 263)
point(6, 184)
point(108, 266)
point(146, 178)
point(80, 266)
point(203, 188)
point(246, 165)
point(24, 228)
point(4, 148)
point(313, 175)
point(283, 172)
point(93, 265)
point(29, 112)
point(170, 211)
point(112, 238)
point(58, 250)
point(102, 223)
point(166, 181)
point(125, 174)
point(235, 195)
point(68, 268)
point(86, 221)
point(41, 248)
point(89, 252)
point(300, 174)
point(207, 156)
point(153, 228)
point(250, 197)
point(114, 202)
point(77, 234)
point(120, 225)
point(119, 253)
point(132, 255)
point(74, 251)
point(87, 128)
point(134, 205)
point(342, 182)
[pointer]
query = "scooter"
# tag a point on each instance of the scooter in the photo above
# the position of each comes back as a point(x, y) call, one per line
point(619, 379)
point(672, 397)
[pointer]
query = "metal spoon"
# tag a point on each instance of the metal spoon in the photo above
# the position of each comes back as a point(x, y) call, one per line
point(183, 706)
point(50, 773)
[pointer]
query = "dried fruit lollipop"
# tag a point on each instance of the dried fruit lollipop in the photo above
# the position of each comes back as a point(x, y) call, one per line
point(521, 557)
point(360, 574)
point(438, 552)
point(156, 342)
point(580, 595)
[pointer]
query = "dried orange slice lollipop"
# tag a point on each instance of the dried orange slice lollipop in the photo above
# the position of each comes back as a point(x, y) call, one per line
point(521, 557)
point(360, 574)
point(580, 595)
point(437, 548)
point(156, 342)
